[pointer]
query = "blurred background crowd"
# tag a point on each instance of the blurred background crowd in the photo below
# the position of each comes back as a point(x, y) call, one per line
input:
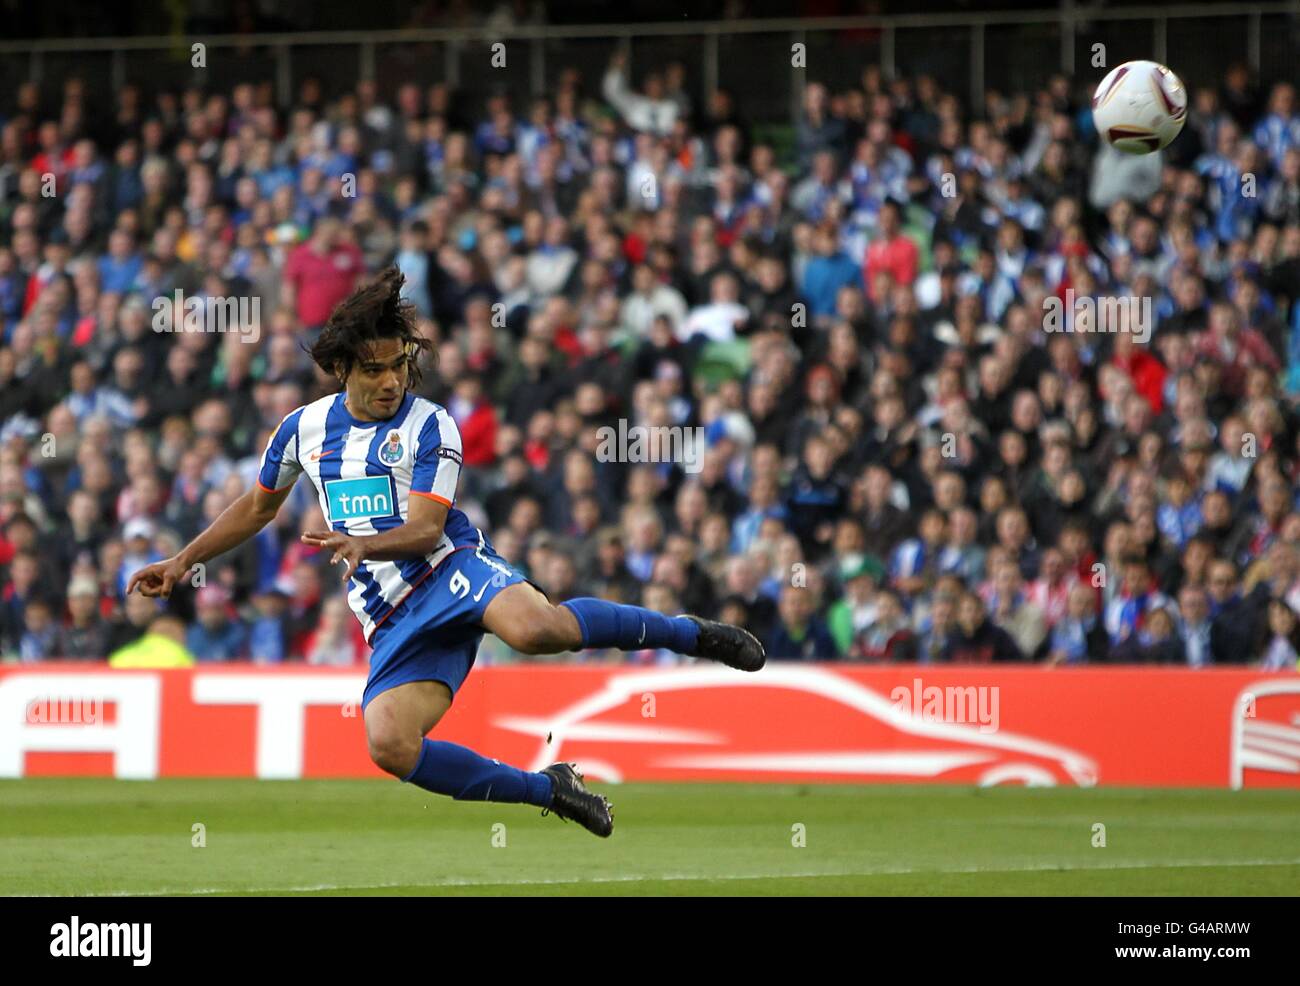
point(900, 463)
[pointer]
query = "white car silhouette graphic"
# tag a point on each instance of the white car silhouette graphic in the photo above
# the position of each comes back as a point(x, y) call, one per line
point(850, 732)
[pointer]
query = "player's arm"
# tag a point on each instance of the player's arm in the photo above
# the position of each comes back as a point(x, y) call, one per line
point(235, 525)
point(417, 537)
point(239, 521)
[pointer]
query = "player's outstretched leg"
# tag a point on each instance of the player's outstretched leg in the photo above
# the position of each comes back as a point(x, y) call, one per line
point(396, 723)
point(526, 620)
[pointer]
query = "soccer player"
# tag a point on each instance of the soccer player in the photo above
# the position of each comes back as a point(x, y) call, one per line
point(424, 582)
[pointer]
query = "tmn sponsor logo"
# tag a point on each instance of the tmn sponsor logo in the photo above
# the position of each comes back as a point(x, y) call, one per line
point(360, 498)
point(652, 443)
point(240, 315)
point(92, 940)
point(65, 711)
point(972, 704)
point(1132, 315)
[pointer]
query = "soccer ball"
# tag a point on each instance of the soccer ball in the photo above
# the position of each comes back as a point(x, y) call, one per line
point(1139, 107)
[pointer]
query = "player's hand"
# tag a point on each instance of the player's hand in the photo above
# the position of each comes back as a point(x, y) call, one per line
point(345, 548)
point(159, 578)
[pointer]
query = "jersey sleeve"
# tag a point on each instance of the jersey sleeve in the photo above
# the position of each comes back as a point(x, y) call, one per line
point(437, 459)
point(280, 465)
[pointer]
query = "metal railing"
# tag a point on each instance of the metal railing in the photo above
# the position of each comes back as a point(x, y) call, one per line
point(961, 49)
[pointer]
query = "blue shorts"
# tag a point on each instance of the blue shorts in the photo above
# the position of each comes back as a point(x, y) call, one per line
point(434, 633)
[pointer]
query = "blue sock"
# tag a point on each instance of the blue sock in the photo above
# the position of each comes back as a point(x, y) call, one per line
point(606, 624)
point(445, 768)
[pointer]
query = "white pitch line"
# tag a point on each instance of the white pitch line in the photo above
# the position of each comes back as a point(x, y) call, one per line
point(689, 877)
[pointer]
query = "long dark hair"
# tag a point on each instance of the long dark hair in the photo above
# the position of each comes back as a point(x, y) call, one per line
point(372, 312)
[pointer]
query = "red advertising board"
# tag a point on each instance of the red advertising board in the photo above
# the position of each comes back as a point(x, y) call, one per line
point(1220, 728)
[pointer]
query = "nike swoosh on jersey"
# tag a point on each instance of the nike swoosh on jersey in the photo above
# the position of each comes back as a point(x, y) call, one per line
point(320, 455)
point(479, 595)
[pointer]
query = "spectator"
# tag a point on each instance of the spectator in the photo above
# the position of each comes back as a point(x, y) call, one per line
point(742, 582)
point(721, 318)
point(1283, 638)
point(138, 535)
point(979, 640)
point(477, 420)
point(320, 273)
point(651, 110)
point(893, 253)
point(886, 524)
point(1011, 609)
point(162, 646)
point(1156, 642)
point(303, 616)
point(1137, 596)
point(217, 635)
point(40, 632)
point(798, 634)
point(763, 505)
point(1050, 592)
point(1236, 617)
point(853, 612)
point(650, 299)
point(20, 590)
point(916, 561)
point(337, 641)
point(827, 271)
point(889, 636)
point(1194, 626)
point(815, 497)
point(1078, 636)
point(611, 578)
point(268, 632)
point(84, 637)
point(940, 630)
point(131, 621)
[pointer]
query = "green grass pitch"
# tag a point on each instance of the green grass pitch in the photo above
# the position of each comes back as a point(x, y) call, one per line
point(93, 836)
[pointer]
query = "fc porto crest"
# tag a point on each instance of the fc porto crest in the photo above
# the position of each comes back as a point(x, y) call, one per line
point(391, 451)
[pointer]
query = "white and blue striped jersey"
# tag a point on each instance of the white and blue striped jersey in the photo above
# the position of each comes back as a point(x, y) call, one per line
point(364, 472)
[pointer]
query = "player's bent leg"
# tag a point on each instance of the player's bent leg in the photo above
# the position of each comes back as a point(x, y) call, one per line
point(572, 800)
point(397, 721)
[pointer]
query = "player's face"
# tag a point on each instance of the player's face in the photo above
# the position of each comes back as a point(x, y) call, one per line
point(378, 381)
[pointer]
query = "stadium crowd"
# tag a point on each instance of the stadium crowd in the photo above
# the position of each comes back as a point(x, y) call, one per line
point(901, 459)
